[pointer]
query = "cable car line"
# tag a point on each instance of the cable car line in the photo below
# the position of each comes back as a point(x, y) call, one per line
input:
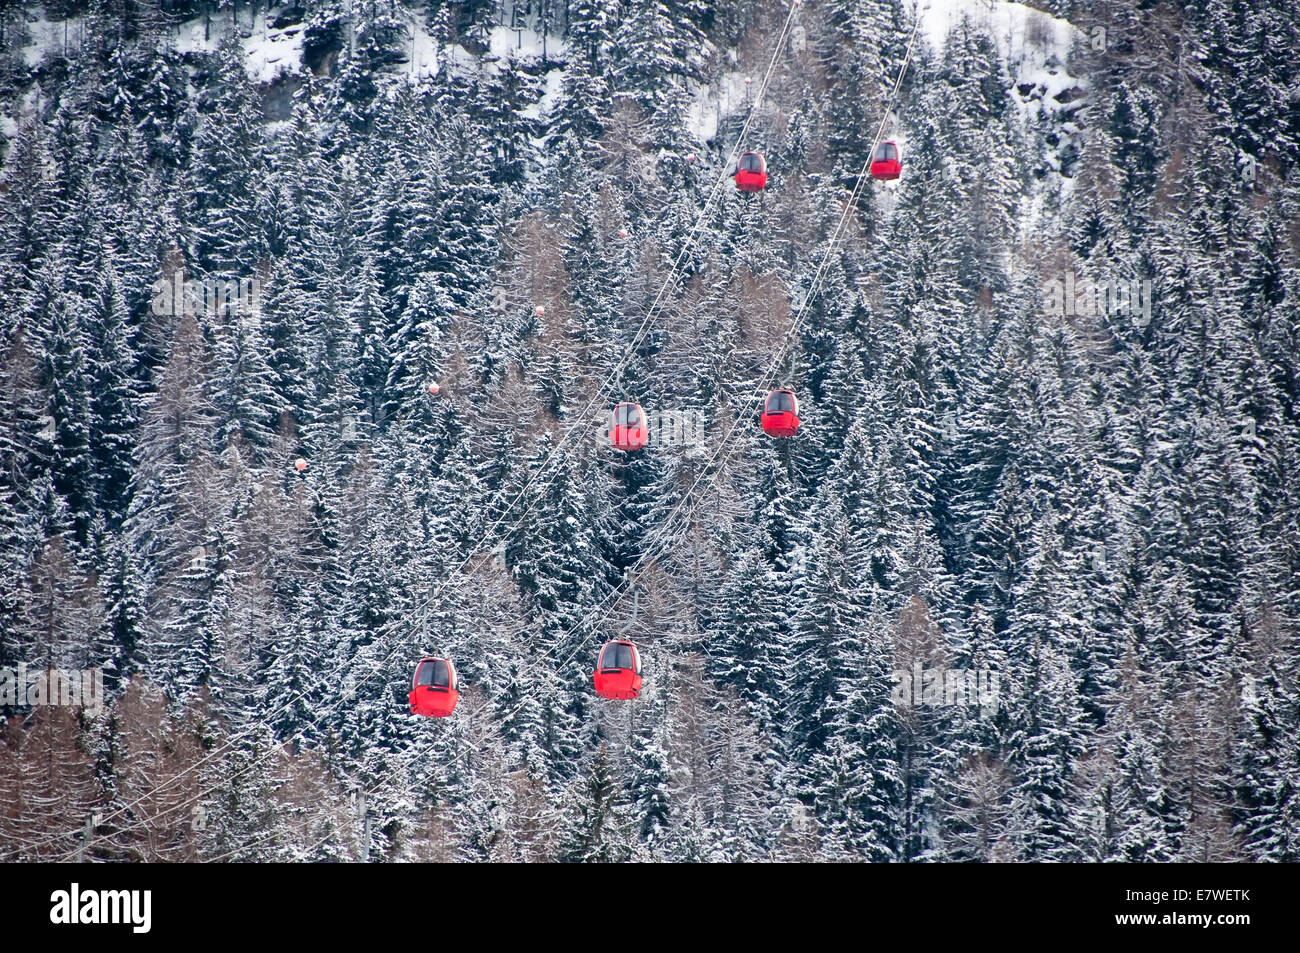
point(598, 611)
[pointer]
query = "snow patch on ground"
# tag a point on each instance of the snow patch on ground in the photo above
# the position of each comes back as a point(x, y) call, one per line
point(728, 95)
point(545, 106)
point(273, 52)
point(521, 44)
point(504, 43)
point(200, 36)
point(1022, 33)
point(702, 114)
point(45, 36)
point(424, 51)
point(268, 52)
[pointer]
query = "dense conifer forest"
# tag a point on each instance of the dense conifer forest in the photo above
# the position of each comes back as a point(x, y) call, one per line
point(313, 317)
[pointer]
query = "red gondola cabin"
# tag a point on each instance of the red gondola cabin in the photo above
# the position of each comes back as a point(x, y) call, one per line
point(618, 671)
point(886, 163)
point(628, 429)
point(434, 691)
point(751, 172)
point(781, 414)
